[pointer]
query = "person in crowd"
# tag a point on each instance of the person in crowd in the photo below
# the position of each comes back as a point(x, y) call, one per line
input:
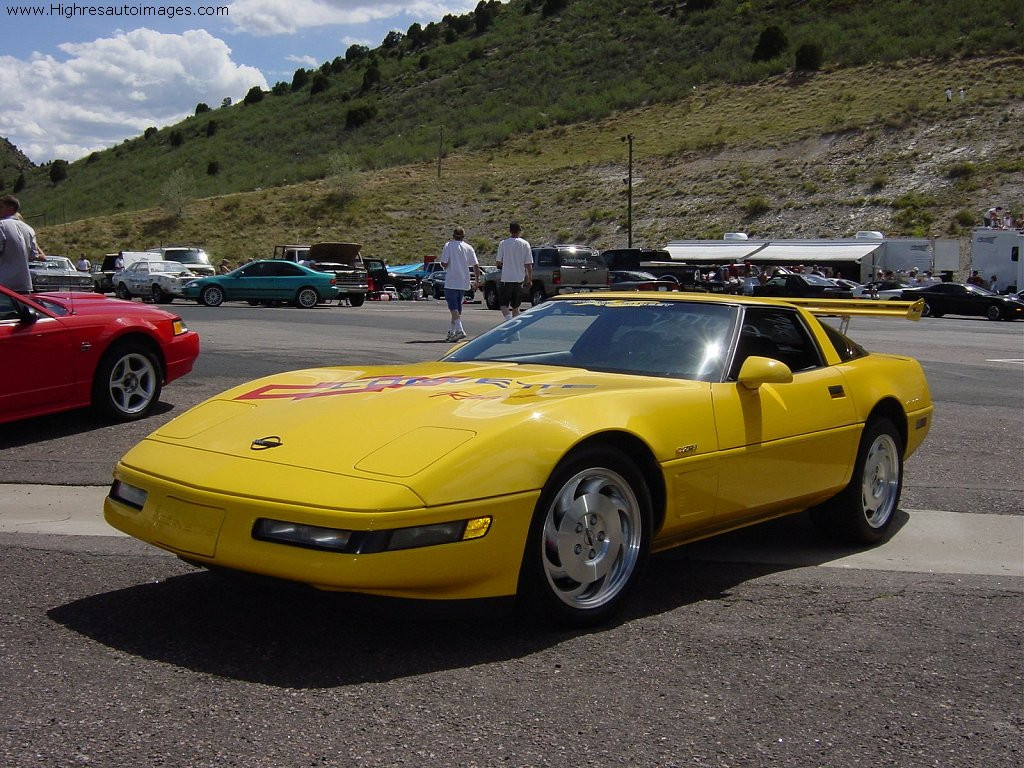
point(17, 246)
point(991, 284)
point(462, 270)
point(976, 279)
point(993, 216)
point(118, 262)
point(225, 266)
point(515, 260)
point(83, 265)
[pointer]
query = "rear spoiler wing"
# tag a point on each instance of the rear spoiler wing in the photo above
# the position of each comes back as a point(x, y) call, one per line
point(847, 308)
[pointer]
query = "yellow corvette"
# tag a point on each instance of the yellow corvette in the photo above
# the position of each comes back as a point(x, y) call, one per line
point(545, 459)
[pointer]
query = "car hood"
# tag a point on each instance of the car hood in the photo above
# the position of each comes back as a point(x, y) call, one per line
point(445, 432)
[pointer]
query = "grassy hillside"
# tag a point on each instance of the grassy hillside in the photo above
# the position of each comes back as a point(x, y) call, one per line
point(871, 147)
point(523, 71)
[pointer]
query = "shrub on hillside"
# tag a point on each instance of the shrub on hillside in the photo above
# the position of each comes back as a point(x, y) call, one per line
point(809, 57)
point(358, 116)
point(770, 44)
point(254, 96)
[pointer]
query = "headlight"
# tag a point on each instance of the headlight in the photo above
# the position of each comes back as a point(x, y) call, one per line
point(369, 542)
point(179, 327)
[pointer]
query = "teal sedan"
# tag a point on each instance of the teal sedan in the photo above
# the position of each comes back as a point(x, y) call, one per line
point(270, 280)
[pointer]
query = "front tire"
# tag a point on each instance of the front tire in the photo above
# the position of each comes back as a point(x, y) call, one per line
point(307, 298)
point(122, 292)
point(212, 296)
point(994, 312)
point(160, 296)
point(863, 512)
point(127, 383)
point(589, 539)
point(356, 299)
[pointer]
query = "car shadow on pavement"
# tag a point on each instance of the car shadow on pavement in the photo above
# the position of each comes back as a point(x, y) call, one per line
point(289, 637)
point(59, 425)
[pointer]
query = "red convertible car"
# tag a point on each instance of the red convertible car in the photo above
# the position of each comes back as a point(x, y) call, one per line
point(60, 351)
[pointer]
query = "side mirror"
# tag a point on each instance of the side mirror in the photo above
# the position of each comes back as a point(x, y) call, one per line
point(763, 370)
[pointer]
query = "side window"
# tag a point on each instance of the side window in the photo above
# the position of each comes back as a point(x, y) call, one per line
point(8, 309)
point(778, 334)
point(545, 258)
point(287, 269)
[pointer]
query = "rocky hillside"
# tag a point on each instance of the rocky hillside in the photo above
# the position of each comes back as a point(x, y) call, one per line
point(851, 149)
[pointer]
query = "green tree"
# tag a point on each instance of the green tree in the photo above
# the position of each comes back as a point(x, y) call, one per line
point(58, 171)
point(254, 96)
point(175, 193)
point(809, 57)
point(770, 44)
point(299, 79)
point(320, 83)
point(202, 107)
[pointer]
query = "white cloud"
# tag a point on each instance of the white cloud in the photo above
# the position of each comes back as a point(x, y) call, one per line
point(302, 61)
point(272, 17)
point(114, 87)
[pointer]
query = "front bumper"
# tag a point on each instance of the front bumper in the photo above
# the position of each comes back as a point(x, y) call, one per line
point(213, 528)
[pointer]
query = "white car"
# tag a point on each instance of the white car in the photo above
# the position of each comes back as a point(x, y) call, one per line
point(159, 281)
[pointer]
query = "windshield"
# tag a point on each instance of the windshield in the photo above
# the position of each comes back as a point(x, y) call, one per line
point(187, 255)
point(670, 339)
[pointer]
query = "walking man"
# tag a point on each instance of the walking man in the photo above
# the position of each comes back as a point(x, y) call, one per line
point(461, 273)
point(17, 247)
point(515, 260)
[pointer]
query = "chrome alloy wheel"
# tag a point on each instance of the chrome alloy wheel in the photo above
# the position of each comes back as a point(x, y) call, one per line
point(880, 481)
point(133, 383)
point(591, 538)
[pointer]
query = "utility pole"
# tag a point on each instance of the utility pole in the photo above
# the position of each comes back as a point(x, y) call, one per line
point(440, 148)
point(629, 192)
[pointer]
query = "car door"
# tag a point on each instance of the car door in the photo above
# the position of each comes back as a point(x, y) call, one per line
point(283, 279)
point(36, 358)
point(781, 442)
point(247, 283)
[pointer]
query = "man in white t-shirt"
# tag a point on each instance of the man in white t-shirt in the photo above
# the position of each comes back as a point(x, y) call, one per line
point(515, 259)
point(461, 273)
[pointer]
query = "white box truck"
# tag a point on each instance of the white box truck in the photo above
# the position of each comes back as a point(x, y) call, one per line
point(997, 252)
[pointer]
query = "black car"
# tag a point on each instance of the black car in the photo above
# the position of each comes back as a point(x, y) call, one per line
point(962, 299)
point(635, 280)
point(796, 286)
point(433, 285)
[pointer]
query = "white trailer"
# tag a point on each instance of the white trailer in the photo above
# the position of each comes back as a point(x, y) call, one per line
point(997, 252)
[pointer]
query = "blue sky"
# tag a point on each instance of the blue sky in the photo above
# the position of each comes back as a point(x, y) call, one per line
point(83, 76)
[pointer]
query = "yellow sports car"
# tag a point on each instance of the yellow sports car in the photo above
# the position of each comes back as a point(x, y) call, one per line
point(545, 459)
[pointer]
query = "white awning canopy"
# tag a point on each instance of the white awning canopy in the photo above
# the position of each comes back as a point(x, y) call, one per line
point(713, 252)
point(814, 253)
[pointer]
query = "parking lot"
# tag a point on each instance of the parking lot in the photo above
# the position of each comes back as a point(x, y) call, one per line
point(764, 648)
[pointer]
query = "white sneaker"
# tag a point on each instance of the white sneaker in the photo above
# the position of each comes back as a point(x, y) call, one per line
point(449, 336)
point(458, 336)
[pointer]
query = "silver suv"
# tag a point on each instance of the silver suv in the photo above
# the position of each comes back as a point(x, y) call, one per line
point(557, 269)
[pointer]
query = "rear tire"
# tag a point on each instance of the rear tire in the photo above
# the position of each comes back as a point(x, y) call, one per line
point(127, 383)
point(589, 539)
point(491, 296)
point(537, 295)
point(307, 298)
point(863, 512)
